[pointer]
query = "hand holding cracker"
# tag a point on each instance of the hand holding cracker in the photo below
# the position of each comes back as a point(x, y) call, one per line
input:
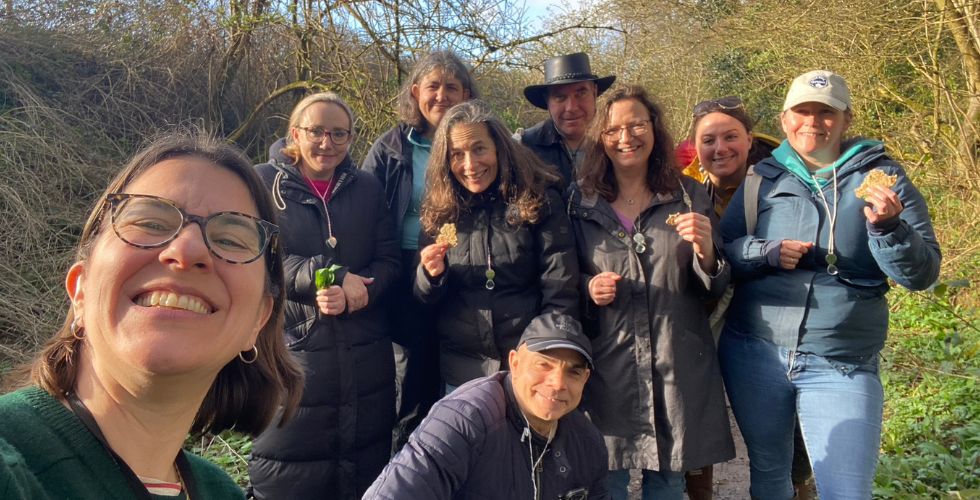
point(447, 235)
point(877, 191)
point(876, 177)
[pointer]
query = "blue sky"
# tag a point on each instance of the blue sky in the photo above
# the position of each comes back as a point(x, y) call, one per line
point(536, 9)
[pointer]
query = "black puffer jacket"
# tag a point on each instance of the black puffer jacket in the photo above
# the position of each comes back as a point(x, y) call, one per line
point(340, 439)
point(536, 272)
point(474, 445)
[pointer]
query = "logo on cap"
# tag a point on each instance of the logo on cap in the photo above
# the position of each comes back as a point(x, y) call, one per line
point(818, 82)
point(563, 324)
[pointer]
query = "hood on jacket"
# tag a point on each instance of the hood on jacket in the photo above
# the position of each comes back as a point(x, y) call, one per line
point(857, 149)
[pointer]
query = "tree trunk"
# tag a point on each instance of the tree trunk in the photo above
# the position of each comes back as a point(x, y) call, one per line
point(962, 17)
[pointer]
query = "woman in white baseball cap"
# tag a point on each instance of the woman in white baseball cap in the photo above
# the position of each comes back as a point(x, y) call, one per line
point(809, 314)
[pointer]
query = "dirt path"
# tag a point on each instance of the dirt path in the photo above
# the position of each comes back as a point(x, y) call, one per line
point(731, 479)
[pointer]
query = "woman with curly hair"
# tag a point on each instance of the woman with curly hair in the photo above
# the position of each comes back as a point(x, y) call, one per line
point(512, 257)
point(649, 262)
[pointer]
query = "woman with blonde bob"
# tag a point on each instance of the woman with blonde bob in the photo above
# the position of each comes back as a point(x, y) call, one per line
point(332, 216)
point(174, 327)
point(649, 260)
point(512, 257)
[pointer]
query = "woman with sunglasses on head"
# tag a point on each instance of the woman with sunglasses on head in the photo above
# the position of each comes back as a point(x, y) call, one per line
point(648, 263)
point(332, 217)
point(173, 327)
point(511, 257)
point(725, 146)
point(809, 314)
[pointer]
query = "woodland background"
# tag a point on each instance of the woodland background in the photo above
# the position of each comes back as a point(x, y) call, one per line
point(84, 83)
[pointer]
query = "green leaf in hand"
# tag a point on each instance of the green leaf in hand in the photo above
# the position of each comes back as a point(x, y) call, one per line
point(325, 276)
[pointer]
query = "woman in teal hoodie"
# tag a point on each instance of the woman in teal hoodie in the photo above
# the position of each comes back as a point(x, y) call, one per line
point(809, 313)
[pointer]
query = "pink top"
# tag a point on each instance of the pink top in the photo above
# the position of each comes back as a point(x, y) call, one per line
point(323, 189)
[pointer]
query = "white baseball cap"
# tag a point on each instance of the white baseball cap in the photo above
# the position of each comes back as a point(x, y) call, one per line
point(819, 86)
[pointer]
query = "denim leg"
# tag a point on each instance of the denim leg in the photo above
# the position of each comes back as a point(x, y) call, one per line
point(840, 408)
point(663, 485)
point(617, 482)
point(764, 403)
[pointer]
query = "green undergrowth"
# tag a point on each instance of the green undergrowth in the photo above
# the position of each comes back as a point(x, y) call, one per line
point(930, 443)
point(229, 450)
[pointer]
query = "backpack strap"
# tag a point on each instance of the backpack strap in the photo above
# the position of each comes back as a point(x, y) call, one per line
point(751, 198)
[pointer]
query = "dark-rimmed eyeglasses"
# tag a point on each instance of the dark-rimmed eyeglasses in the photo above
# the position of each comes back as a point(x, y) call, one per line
point(338, 136)
point(635, 129)
point(722, 103)
point(145, 221)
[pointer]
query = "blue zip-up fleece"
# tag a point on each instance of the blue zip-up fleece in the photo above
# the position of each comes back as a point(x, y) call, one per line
point(844, 317)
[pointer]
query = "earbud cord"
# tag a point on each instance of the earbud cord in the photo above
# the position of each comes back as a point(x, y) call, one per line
point(530, 450)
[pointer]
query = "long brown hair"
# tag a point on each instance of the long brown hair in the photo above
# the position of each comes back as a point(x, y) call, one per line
point(597, 174)
point(243, 396)
point(521, 177)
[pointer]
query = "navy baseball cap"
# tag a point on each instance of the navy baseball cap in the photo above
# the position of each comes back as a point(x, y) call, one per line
point(554, 331)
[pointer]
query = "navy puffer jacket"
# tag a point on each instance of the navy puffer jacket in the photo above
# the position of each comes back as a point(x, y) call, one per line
point(471, 447)
point(340, 438)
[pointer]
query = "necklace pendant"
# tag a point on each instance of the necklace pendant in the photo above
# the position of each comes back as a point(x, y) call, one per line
point(332, 242)
point(490, 274)
point(832, 265)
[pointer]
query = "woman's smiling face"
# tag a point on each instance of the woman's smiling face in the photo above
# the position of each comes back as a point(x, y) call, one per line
point(472, 156)
point(723, 147)
point(628, 135)
point(176, 309)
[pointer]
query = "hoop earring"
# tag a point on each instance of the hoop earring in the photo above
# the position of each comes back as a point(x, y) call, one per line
point(255, 358)
point(76, 330)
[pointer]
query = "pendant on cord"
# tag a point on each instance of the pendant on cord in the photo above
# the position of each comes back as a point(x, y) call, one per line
point(831, 264)
point(332, 242)
point(490, 274)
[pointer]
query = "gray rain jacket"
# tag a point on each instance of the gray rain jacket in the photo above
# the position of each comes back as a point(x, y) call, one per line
point(656, 393)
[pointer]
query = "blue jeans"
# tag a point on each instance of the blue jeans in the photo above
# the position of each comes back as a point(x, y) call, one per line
point(839, 407)
point(657, 485)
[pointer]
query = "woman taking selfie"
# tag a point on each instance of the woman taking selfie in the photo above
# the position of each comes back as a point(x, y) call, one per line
point(174, 326)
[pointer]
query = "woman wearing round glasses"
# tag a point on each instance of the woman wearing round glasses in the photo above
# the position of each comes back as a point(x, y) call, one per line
point(512, 257)
point(332, 217)
point(809, 314)
point(173, 327)
point(648, 261)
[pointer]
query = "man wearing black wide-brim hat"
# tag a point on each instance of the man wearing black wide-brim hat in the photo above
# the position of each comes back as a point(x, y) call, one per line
point(568, 93)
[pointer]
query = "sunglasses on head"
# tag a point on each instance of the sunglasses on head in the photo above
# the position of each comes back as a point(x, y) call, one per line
point(722, 103)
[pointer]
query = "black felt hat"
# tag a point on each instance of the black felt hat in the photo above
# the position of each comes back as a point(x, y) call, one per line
point(562, 70)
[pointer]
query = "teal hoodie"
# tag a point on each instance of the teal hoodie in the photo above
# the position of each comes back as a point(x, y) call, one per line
point(787, 157)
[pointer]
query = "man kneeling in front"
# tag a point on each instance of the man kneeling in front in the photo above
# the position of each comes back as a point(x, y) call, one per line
point(512, 435)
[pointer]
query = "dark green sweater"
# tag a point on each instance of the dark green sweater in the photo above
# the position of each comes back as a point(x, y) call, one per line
point(46, 452)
